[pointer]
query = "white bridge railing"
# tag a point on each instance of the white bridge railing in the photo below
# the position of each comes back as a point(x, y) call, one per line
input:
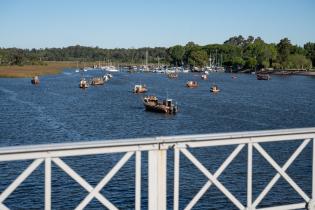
point(157, 161)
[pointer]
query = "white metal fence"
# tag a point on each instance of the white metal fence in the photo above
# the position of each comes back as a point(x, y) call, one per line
point(157, 161)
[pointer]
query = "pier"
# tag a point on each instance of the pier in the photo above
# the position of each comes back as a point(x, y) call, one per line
point(157, 150)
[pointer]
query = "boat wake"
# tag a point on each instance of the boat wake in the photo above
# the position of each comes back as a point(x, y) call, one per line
point(42, 116)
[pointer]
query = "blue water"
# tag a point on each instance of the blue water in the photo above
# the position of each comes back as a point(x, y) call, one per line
point(58, 111)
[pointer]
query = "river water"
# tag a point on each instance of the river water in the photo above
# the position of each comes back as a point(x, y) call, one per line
point(58, 111)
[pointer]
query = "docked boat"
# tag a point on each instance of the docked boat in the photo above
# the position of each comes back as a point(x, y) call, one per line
point(214, 89)
point(204, 77)
point(35, 80)
point(192, 84)
point(263, 77)
point(111, 69)
point(152, 104)
point(83, 83)
point(140, 89)
point(98, 81)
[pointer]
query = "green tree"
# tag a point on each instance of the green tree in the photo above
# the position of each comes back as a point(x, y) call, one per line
point(284, 49)
point(177, 54)
point(310, 52)
point(198, 58)
point(297, 61)
point(251, 63)
point(236, 41)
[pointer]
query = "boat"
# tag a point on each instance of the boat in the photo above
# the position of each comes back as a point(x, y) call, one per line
point(140, 89)
point(109, 75)
point(263, 77)
point(214, 89)
point(192, 84)
point(152, 104)
point(35, 80)
point(111, 69)
point(87, 69)
point(83, 83)
point(98, 81)
point(204, 77)
point(172, 75)
point(234, 77)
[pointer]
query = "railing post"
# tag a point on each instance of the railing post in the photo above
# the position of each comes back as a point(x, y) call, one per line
point(157, 179)
point(176, 178)
point(47, 183)
point(311, 203)
point(313, 168)
point(249, 175)
point(138, 181)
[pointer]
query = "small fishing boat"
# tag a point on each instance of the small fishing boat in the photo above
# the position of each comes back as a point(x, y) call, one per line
point(234, 77)
point(140, 89)
point(204, 77)
point(98, 81)
point(263, 77)
point(214, 89)
point(192, 84)
point(35, 80)
point(83, 83)
point(152, 104)
point(172, 75)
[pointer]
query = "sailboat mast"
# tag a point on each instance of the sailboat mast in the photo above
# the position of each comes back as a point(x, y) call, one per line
point(216, 57)
point(146, 59)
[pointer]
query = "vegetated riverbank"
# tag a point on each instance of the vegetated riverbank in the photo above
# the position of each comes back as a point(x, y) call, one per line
point(302, 72)
point(290, 72)
point(51, 67)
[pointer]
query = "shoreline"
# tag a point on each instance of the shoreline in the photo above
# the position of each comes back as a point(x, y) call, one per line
point(28, 71)
point(289, 72)
point(56, 67)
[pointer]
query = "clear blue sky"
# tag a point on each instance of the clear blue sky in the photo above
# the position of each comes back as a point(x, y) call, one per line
point(139, 23)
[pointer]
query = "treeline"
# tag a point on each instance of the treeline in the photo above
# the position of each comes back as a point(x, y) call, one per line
point(236, 52)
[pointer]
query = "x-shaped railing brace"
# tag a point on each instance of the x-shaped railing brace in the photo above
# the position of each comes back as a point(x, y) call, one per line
point(213, 179)
point(281, 172)
point(94, 192)
point(7, 192)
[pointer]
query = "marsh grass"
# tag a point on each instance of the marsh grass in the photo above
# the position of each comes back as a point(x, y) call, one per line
point(53, 67)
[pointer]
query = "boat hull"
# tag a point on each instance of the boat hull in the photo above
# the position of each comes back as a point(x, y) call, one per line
point(160, 109)
point(263, 77)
